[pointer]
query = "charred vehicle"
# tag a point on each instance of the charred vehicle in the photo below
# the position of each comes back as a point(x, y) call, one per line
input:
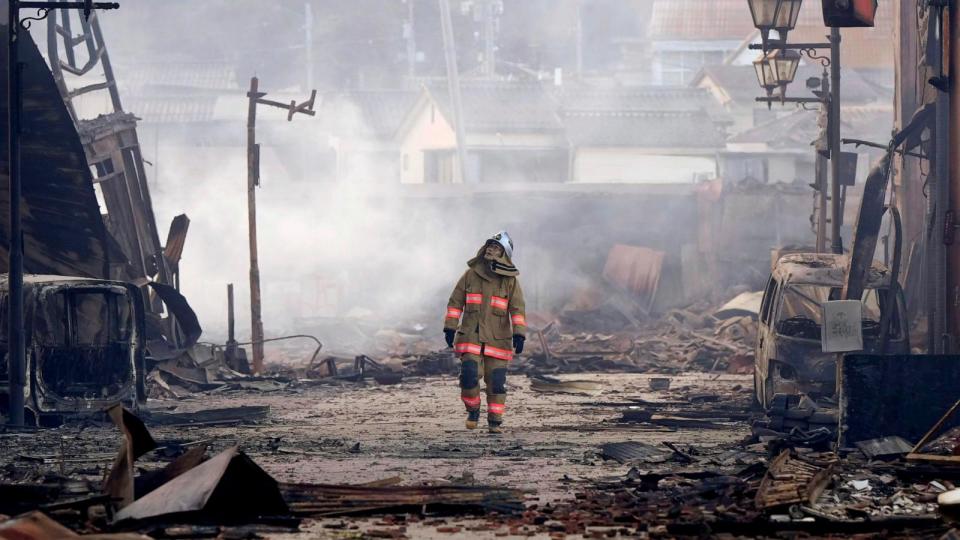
point(789, 357)
point(84, 346)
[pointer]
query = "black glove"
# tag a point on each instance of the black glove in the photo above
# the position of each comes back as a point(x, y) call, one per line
point(448, 335)
point(518, 343)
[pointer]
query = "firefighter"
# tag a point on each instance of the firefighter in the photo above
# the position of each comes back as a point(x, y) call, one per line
point(486, 325)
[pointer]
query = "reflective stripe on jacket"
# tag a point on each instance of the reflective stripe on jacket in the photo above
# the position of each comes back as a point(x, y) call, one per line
point(486, 309)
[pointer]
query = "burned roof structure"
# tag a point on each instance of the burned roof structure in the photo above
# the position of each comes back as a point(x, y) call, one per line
point(63, 231)
point(87, 210)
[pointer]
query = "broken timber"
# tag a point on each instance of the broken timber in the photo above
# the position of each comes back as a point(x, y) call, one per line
point(792, 481)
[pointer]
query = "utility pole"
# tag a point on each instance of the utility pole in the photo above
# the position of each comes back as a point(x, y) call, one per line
point(408, 31)
point(489, 53)
point(453, 84)
point(253, 180)
point(579, 40)
point(308, 41)
point(16, 357)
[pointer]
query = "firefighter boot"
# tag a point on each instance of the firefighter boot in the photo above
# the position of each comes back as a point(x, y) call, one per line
point(472, 418)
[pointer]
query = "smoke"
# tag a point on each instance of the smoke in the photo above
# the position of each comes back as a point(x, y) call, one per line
point(338, 236)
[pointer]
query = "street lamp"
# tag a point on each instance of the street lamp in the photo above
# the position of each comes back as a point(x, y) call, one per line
point(787, 17)
point(783, 65)
point(779, 15)
point(765, 75)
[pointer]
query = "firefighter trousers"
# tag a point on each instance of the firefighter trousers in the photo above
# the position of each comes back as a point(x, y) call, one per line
point(494, 373)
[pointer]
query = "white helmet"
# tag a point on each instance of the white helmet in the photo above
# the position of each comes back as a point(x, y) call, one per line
point(505, 242)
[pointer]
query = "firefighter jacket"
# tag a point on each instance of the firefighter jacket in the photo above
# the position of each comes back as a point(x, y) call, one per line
point(487, 309)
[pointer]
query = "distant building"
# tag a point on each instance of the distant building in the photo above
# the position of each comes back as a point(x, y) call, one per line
point(360, 127)
point(642, 135)
point(685, 35)
point(528, 133)
point(780, 151)
point(513, 134)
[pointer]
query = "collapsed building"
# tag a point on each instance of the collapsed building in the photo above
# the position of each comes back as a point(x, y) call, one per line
point(101, 290)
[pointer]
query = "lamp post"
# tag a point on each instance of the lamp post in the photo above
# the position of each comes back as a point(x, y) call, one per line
point(783, 60)
point(16, 357)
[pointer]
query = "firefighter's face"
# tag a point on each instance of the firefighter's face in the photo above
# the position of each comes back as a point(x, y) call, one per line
point(492, 251)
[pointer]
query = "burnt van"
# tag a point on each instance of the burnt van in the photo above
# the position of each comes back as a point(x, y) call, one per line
point(85, 346)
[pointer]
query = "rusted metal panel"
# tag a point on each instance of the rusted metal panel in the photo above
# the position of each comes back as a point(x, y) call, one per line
point(636, 269)
point(229, 487)
point(136, 442)
point(185, 316)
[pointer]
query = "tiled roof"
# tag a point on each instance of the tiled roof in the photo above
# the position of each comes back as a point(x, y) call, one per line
point(651, 98)
point(690, 129)
point(179, 75)
point(379, 112)
point(709, 20)
point(172, 110)
point(700, 20)
point(492, 107)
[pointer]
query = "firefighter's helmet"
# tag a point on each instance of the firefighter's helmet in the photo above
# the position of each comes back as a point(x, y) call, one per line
point(503, 239)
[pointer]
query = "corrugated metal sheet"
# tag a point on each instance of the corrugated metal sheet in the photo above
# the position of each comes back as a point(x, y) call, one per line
point(636, 269)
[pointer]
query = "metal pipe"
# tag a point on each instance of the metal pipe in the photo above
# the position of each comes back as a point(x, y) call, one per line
point(834, 127)
point(821, 181)
point(489, 54)
point(16, 369)
point(231, 322)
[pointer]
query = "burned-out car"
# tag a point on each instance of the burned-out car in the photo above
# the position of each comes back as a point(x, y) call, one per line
point(84, 345)
point(789, 357)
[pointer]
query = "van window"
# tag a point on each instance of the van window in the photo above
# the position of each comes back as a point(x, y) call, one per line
point(90, 312)
point(768, 296)
point(85, 317)
point(801, 315)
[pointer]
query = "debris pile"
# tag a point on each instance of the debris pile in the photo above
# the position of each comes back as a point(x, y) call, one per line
point(228, 489)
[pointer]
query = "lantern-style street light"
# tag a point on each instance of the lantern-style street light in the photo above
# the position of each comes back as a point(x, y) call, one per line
point(783, 65)
point(787, 17)
point(779, 15)
point(765, 75)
